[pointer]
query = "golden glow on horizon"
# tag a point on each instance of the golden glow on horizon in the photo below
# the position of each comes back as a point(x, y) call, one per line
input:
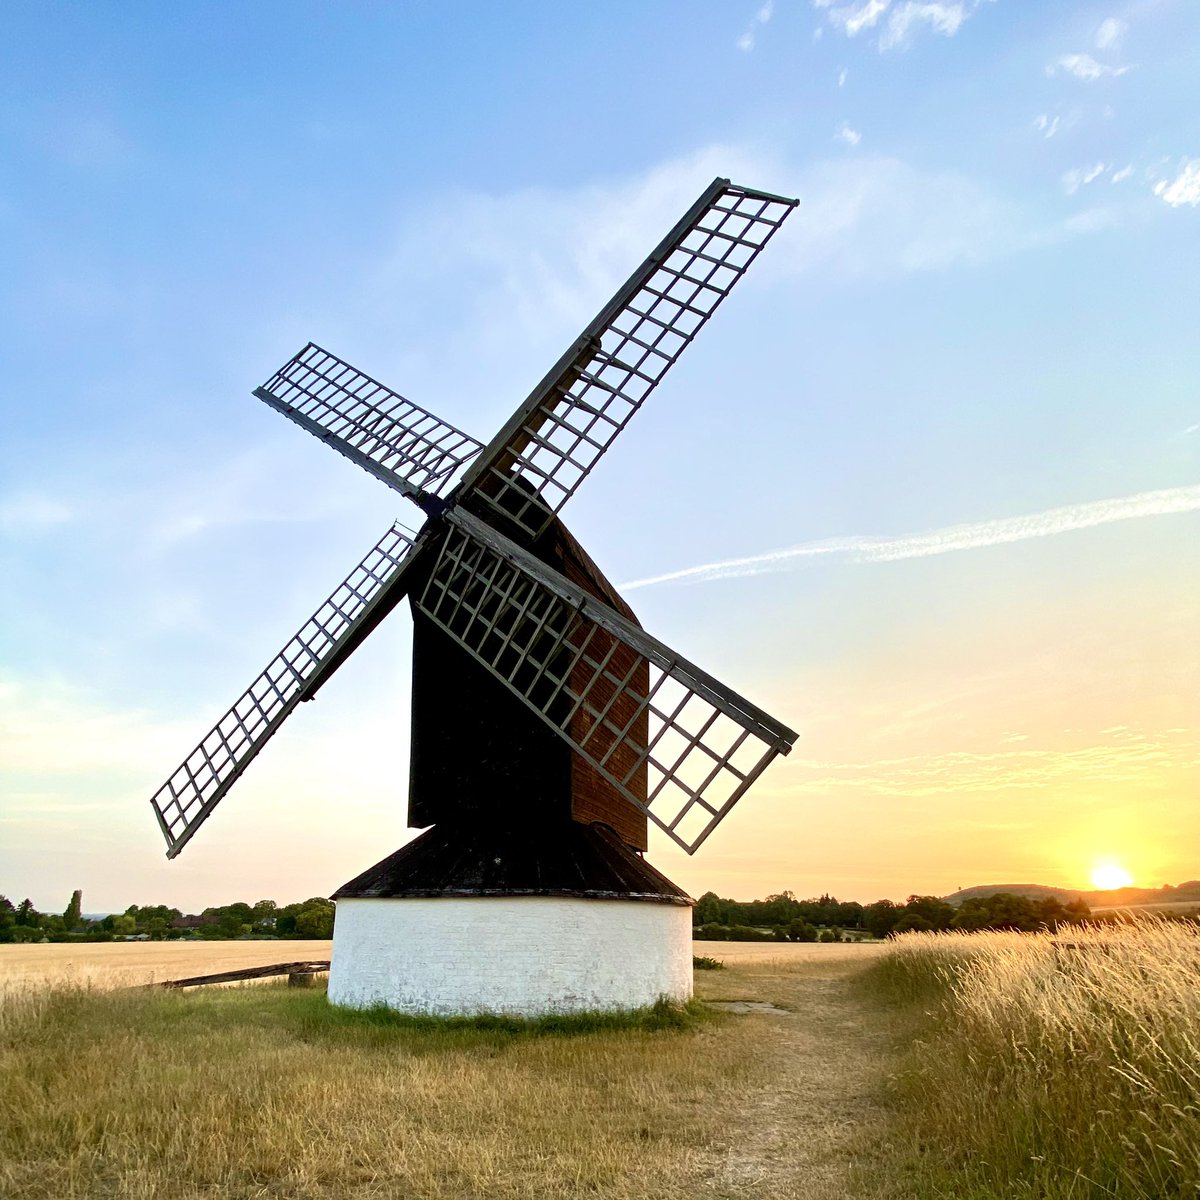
point(1107, 876)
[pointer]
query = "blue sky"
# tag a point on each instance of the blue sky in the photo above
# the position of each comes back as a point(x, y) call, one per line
point(961, 385)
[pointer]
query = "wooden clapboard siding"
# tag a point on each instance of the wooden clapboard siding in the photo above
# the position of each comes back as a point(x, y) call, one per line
point(479, 755)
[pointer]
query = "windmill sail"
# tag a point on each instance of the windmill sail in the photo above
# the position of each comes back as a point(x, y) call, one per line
point(540, 457)
point(673, 740)
point(370, 591)
point(399, 442)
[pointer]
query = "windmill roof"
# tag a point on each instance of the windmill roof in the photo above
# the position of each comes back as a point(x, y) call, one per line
point(557, 858)
point(577, 562)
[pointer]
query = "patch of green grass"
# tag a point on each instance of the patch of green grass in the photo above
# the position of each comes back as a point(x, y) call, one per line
point(701, 962)
point(312, 1017)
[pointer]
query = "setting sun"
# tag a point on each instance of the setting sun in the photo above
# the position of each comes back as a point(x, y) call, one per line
point(1107, 876)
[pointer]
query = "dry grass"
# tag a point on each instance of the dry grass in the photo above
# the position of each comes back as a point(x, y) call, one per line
point(1054, 1067)
point(789, 953)
point(123, 964)
point(267, 1091)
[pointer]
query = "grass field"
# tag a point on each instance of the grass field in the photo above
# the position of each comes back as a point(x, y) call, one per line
point(265, 1091)
point(971, 1067)
point(123, 964)
point(1061, 1068)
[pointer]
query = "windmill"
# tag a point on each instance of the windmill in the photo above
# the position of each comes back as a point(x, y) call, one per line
point(548, 727)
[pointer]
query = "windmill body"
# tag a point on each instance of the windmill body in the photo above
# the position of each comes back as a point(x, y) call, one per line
point(548, 727)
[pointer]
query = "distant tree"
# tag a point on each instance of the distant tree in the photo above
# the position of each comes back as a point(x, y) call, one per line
point(27, 914)
point(315, 920)
point(912, 923)
point(801, 931)
point(124, 925)
point(708, 910)
point(879, 919)
point(935, 912)
point(73, 916)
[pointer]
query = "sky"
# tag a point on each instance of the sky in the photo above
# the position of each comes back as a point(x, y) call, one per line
point(927, 488)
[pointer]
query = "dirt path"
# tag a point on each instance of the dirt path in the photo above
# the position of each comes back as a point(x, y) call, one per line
point(816, 1098)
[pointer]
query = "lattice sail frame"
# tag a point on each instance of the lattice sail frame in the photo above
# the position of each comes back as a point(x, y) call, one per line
point(193, 791)
point(399, 442)
point(571, 418)
point(706, 744)
point(554, 647)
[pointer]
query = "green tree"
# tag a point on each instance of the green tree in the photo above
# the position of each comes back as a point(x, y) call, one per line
point(879, 919)
point(937, 914)
point(26, 914)
point(709, 910)
point(73, 916)
point(124, 925)
point(315, 919)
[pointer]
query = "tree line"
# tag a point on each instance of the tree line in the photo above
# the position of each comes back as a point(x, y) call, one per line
point(784, 918)
point(311, 918)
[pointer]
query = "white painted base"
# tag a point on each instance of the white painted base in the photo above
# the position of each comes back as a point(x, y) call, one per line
point(527, 955)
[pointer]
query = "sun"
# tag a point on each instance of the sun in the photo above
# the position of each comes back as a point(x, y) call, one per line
point(1106, 876)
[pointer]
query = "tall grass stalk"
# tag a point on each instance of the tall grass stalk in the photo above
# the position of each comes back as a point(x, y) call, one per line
point(1051, 1066)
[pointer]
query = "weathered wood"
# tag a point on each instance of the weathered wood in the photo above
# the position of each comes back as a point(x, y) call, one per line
point(305, 968)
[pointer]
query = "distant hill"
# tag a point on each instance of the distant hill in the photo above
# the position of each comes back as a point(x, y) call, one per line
point(1031, 891)
point(1128, 897)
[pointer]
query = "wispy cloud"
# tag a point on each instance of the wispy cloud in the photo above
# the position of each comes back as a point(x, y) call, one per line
point(1110, 32)
point(861, 215)
point(903, 20)
point(1054, 124)
point(842, 75)
point(746, 42)
point(906, 19)
point(1123, 174)
point(30, 512)
point(972, 536)
point(1046, 125)
point(1184, 188)
point(1079, 177)
point(847, 136)
point(1124, 758)
point(1084, 67)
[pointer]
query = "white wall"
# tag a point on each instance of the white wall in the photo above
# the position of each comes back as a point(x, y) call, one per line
point(513, 954)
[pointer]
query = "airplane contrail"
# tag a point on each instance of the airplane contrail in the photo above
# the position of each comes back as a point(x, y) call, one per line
point(970, 536)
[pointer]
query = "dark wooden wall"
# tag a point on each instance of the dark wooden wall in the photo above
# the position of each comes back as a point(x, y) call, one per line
point(479, 754)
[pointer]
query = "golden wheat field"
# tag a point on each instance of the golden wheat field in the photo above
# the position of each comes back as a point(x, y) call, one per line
point(124, 964)
point(1052, 1065)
